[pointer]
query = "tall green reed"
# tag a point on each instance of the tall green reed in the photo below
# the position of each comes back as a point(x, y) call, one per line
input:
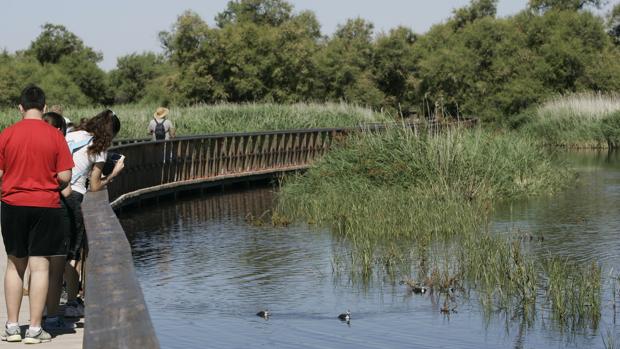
point(403, 204)
point(582, 120)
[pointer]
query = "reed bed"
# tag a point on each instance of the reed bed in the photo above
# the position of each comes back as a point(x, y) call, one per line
point(582, 120)
point(204, 119)
point(418, 207)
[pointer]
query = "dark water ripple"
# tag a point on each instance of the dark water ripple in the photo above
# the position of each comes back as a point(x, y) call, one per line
point(205, 272)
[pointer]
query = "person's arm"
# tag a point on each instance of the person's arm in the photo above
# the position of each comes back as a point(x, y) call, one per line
point(97, 182)
point(67, 191)
point(64, 163)
point(149, 129)
point(64, 178)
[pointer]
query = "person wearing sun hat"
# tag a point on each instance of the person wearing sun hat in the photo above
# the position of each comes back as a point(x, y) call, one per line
point(160, 128)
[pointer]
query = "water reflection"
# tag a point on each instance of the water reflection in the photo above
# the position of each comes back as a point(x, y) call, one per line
point(206, 271)
point(581, 223)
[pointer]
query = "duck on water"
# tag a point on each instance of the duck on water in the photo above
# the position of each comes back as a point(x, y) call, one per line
point(264, 314)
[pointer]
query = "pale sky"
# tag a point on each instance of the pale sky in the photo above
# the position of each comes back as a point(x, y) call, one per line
point(120, 27)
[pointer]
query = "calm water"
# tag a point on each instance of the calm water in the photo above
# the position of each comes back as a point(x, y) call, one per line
point(205, 272)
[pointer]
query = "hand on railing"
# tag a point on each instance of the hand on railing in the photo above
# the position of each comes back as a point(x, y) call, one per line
point(118, 167)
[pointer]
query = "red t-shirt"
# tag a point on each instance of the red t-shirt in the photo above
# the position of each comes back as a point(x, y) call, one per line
point(32, 152)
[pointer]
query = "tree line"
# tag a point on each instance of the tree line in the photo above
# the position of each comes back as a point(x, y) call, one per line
point(473, 63)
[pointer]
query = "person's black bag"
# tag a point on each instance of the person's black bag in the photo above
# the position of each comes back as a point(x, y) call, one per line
point(160, 130)
point(110, 162)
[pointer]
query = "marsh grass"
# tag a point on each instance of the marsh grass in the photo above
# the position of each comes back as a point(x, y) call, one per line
point(573, 292)
point(203, 119)
point(418, 207)
point(583, 120)
point(609, 340)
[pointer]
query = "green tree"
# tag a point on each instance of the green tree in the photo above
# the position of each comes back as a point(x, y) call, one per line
point(395, 66)
point(191, 46)
point(246, 59)
point(613, 24)
point(183, 43)
point(9, 80)
point(477, 9)
point(61, 51)
point(133, 73)
point(55, 42)
point(495, 68)
point(573, 5)
point(345, 65)
point(60, 88)
point(85, 73)
point(261, 12)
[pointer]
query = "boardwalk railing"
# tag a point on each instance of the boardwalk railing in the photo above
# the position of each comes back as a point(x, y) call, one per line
point(154, 167)
point(116, 314)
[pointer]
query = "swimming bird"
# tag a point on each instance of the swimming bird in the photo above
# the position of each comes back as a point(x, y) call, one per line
point(264, 314)
point(413, 286)
point(418, 289)
point(345, 316)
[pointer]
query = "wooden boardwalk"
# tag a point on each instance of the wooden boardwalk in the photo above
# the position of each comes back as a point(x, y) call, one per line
point(61, 341)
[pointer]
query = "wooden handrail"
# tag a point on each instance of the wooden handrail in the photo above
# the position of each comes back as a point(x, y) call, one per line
point(116, 314)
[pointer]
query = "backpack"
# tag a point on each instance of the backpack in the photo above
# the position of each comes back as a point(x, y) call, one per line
point(160, 130)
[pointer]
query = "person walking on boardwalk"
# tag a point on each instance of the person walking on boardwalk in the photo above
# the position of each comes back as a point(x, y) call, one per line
point(35, 164)
point(160, 127)
point(89, 144)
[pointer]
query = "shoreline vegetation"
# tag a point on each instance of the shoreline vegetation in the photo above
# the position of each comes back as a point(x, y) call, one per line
point(226, 117)
point(417, 208)
point(580, 120)
point(589, 120)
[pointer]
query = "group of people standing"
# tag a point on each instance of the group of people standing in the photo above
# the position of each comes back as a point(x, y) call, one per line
point(45, 174)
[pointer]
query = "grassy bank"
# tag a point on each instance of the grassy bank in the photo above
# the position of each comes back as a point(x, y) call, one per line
point(418, 208)
point(201, 119)
point(586, 120)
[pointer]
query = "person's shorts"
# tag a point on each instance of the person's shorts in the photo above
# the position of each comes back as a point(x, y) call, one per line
point(77, 236)
point(34, 231)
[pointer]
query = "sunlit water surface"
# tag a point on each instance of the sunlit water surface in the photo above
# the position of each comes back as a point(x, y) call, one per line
point(205, 272)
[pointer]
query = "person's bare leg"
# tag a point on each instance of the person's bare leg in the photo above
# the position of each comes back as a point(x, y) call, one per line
point(73, 281)
point(14, 286)
point(57, 268)
point(26, 280)
point(39, 283)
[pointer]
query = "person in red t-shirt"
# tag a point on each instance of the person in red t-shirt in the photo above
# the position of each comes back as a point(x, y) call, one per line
point(35, 163)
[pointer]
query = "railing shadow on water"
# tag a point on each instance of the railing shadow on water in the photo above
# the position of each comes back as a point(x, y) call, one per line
point(116, 313)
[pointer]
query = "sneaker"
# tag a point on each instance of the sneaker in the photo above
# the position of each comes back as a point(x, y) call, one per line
point(37, 337)
point(11, 334)
point(57, 323)
point(74, 309)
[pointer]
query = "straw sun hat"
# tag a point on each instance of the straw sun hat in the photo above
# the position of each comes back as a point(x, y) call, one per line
point(161, 112)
